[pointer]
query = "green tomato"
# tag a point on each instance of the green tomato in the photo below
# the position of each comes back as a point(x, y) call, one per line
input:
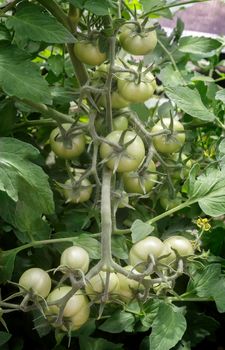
point(136, 42)
point(182, 173)
point(128, 286)
point(117, 101)
point(168, 203)
point(130, 158)
point(73, 145)
point(78, 194)
point(96, 285)
point(180, 244)
point(74, 305)
point(120, 123)
point(140, 251)
point(134, 183)
point(136, 91)
point(75, 258)
point(37, 281)
point(80, 318)
point(89, 53)
point(170, 143)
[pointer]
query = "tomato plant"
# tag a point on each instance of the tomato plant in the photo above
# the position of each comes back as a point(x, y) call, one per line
point(89, 53)
point(75, 258)
point(36, 280)
point(67, 146)
point(129, 157)
point(171, 142)
point(111, 153)
point(137, 41)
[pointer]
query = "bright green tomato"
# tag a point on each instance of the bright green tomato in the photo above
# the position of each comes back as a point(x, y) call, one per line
point(170, 143)
point(130, 158)
point(36, 280)
point(128, 286)
point(140, 252)
point(180, 244)
point(97, 284)
point(74, 305)
point(168, 203)
point(89, 53)
point(136, 91)
point(120, 123)
point(136, 42)
point(75, 258)
point(135, 183)
point(78, 194)
point(116, 99)
point(69, 148)
point(167, 257)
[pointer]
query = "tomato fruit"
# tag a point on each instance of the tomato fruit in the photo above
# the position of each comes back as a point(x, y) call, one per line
point(70, 146)
point(141, 250)
point(80, 318)
point(128, 286)
point(182, 173)
point(75, 258)
point(137, 42)
point(89, 53)
point(168, 203)
point(120, 123)
point(130, 157)
point(73, 305)
point(36, 280)
point(96, 286)
point(116, 99)
point(170, 143)
point(136, 91)
point(79, 194)
point(180, 244)
point(140, 183)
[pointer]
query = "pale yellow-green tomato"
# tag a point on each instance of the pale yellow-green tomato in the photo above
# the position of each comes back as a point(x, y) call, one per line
point(96, 285)
point(74, 304)
point(37, 281)
point(89, 53)
point(134, 183)
point(141, 251)
point(128, 286)
point(75, 258)
point(80, 194)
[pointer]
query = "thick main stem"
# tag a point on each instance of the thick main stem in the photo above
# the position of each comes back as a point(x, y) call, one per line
point(106, 219)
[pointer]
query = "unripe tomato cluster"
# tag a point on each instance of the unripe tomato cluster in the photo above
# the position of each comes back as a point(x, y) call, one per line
point(104, 286)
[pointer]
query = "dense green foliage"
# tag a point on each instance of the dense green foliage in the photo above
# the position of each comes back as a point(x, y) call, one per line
point(120, 157)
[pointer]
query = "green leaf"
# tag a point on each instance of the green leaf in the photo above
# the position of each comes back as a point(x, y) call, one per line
point(190, 102)
point(97, 344)
point(98, 7)
point(56, 64)
point(7, 116)
point(199, 327)
point(4, 337)
point(4, 33)
point(202, 46)
point(169, 77)
point(209, 191)
point(140, 230)
point(21, 78)
point(152, 5)
point(26, 193)
point(118, 322)
point(119, 247)
point(7, 260)
point(220, 95)
point(208, 282)
point(31, 22)
point(168, 327)
point(83, 240)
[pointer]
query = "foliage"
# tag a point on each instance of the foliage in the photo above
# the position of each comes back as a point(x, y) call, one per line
point(156, 297)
